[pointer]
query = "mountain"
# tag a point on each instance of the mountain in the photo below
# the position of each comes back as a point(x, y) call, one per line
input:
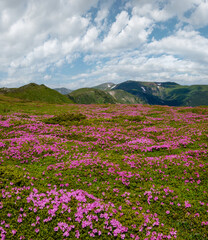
point(150, 92)
point(35, 92)
point(129, 92)
point(105, 86)
point(194, 95)
point(95, 96)
point(166, 93)
point(63, 91)
point(124, 97)
point(90, 96)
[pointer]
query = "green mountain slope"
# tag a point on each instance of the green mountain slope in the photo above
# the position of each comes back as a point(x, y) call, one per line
point(167, 93)
point(149, 92)
point(195, 95)
point(35, 92)
point(91, 96)
point(96, 96)
point(124, 97)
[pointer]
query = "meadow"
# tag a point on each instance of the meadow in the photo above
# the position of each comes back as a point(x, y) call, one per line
point(103, 171)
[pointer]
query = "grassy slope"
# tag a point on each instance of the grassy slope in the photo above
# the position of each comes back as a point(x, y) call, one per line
point(195, 95)
point(124, 97)
point(9, 105)
point(171, 94)
point(91, 96)
point(34, 92)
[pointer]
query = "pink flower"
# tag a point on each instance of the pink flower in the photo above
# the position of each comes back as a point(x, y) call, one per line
point(187, 204)
point(168, 212)
point(14, 232)
point(66, 234)
point(122, 236)
point(37, 230)
point(77, 234)
point(19, 220)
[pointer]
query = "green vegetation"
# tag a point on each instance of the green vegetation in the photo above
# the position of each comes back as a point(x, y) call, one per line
point(129, 92)
point(65, 118)
point(124, 97)
point(167, 93)
point(35, 92)
point(195, 95)
point(107, 171)
point(91, 96)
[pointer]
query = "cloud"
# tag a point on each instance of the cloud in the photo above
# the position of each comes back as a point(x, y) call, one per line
point(185, 44)
point(199, 16)
point(109, 41)
point(126, 32)
point(47, 77)
point(32, 31)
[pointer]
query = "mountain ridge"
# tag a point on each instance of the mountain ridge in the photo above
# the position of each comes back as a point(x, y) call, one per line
point(128, 92)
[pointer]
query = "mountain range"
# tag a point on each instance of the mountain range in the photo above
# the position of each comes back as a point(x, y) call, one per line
point(128, 92)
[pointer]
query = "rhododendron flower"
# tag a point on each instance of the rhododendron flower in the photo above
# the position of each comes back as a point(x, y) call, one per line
point(14, 232)
point(187, 204)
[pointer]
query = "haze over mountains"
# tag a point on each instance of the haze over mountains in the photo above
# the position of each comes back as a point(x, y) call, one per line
point(128, 92)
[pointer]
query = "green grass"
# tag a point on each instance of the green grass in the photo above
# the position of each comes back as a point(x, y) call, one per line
point(96, 139)
point(41, 93)
point(91, 96)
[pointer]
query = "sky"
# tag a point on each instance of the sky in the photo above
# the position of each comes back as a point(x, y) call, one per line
point(83, 43)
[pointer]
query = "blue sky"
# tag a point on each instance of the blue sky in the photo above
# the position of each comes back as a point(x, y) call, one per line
point(79, 43)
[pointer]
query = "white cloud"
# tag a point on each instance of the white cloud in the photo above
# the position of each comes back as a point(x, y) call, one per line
point(89, 39)
point(38, 37)
point(199, 16)
point(47, 77)
point(186, 44)
point(35, 33)
point(126, 32)
point(101, 18)
point(150, 9)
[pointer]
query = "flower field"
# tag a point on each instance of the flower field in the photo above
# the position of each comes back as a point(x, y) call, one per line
point(104, 171)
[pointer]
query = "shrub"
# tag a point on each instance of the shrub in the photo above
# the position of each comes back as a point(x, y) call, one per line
point(65, 118)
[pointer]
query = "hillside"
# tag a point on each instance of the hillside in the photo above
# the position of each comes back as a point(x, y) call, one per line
point(96, 96)
point(35, 92)
point(147, 91)
point(195, 95)
point(167, 93)
point(90, 96)
point(124, 97)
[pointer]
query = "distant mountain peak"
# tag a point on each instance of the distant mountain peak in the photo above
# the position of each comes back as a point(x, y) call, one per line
point(105, 86)
point(63, 90)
